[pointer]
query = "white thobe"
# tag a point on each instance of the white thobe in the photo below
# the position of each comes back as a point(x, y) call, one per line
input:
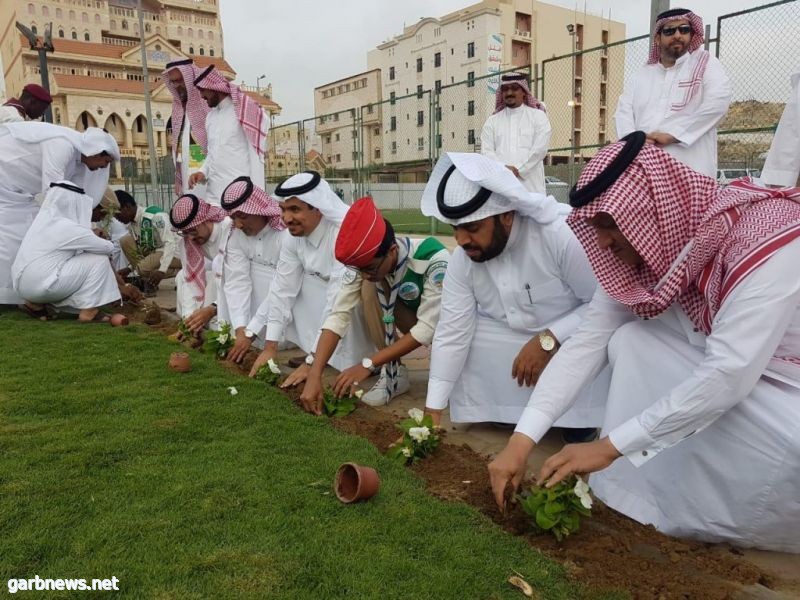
point(305, 287)
point(230, 154)
point(782, 166)
point(249, 268)
point(645, 105)
point(10, 114)
point(710, 426)
point(214, 253)
point(519, 137)
point(166, 241)
point(117, 231)
point(77, 275)
point(542, 280)
point(25, 171)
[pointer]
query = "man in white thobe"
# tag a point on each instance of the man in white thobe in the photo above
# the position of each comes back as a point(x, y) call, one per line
point(251, 260)
point(237, 136)
point(702, 428)
point(31, 105)
point(61, 261)
point(308, 276)
point(189, 112)
point(204, 229)
point(515, 290)
point(32, 156)
point(679, 97)
point(518, 133)
point(782, 166)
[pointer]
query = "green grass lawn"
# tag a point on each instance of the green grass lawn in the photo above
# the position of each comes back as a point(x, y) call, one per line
point(411, 220)
point(111, 465)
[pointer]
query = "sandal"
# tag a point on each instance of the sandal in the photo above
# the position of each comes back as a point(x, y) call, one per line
point(98, 318)
point(46, 313)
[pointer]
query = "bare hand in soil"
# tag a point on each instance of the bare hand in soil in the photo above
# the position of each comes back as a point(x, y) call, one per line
point(196, 321)
point(297, 377)
point(578, 459)
point(155, 277)
point(130, 292)
point(349, 380)
point(529, 363)
point(436, 416)
point(240, 347)
point(509, 467)
point(262, 360)
point(311, 398)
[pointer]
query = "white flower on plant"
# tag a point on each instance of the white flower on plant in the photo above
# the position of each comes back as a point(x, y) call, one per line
point(232, 391)
point(273, 367)
point(222, 338)
point(416, 414)
point(406, 451)
point(582, 492)
point(419, 434)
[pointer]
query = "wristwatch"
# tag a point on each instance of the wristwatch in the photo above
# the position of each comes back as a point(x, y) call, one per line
point(547, 341)
point(249, 334)
point(367, 363)
point(310, 359)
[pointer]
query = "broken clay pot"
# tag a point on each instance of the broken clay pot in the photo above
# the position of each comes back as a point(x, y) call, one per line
point(180, 362)
point(119, 320)
point(356, 482)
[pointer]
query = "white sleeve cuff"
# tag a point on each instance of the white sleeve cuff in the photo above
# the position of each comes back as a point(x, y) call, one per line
point(634, 443)
point(566, 326)
point(780, 177)
point(274, 332)
point(534, 424)
point(439, 392)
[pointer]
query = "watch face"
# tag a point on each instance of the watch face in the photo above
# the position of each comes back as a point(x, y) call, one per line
point(547, 343)
point(366, 363)
point(310, 359)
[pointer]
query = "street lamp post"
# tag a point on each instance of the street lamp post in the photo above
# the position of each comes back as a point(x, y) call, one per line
point(258, 82)
point(42, 48)
point(148, 111)
point(572, 104)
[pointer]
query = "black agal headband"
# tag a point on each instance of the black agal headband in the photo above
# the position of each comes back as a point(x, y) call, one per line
point(230, 204)
point(68, 186)
point(462, 210)
point(634, 142)
point(287, 192)
point(192, 213)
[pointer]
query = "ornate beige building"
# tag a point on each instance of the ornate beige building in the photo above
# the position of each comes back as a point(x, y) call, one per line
point(96, 75)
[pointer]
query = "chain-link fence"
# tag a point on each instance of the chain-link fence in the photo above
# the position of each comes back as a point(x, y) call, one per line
point(759, 48)
point(387, 149)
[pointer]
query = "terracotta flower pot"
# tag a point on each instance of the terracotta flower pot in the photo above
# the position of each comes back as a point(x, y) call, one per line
point(119, 320)
point(356, 482)
point(180, 362)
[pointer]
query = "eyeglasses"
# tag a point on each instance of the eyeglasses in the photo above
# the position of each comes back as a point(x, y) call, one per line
point(374, 270)
point(682, 29)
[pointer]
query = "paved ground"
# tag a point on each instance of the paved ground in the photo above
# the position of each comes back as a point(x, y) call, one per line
point(489, 440)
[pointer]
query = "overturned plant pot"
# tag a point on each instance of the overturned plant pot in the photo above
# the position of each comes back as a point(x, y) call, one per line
point(356, 482)
point(152, 316)
point(119, 320)
point(180, 362)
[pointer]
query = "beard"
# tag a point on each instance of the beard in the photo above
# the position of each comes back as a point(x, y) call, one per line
point(674, 53)
point(496, 245)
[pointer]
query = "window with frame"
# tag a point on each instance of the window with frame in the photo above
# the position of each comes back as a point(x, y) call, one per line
point(471, 136)
point(419, 91)
point(471, 79)
point(471, 50)
point(437, 59)
point(420, 118)
point(437, 85)
point(470, 107)
point(391, 73)
point(419, 65)
point(393, 124)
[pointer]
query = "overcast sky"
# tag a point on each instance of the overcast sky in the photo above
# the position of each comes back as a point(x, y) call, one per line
point(302, 44)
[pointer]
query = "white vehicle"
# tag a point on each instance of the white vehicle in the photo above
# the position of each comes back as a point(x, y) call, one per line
point(556, 188)
point(725, 176)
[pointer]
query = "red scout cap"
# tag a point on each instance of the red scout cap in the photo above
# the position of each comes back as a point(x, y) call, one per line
point(360, 234)
point(38, 92)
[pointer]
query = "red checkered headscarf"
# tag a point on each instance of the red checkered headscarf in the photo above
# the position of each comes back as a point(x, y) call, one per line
point(522, 81)
point(694, 82)
point(697, 240)
point(187, 213)
point(242, 195)
point(360, 234)
point(196, 108)
point(251, 116)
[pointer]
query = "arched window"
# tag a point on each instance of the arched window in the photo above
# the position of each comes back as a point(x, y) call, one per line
point(211, 52)
point(211, 35)
point(45, 11)
point(191, 49)
point(59, 13)
point(72, 15)
point(158, 29)
point(180, 31)
point(190, 32)
point(97, 19)
point(31, 9)
point(200, 34)
point(74, 35)
point(147, 27)
point(61, 33)
point(86, 37)
point(85, 17)
point(34, 30)
point(112, 24)
point(202, 51)
point(124, 24)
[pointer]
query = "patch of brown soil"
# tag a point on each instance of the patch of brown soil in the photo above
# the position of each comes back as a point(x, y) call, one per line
point(145, 313)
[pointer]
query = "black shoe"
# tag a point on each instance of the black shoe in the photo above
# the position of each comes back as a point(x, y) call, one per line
point(582, 435)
